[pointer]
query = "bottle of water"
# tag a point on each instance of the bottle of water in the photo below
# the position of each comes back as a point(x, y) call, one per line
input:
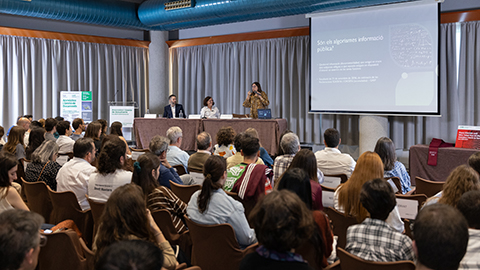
point(180, 115)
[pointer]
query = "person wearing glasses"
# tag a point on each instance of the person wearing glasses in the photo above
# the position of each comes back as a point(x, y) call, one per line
point(209, 110)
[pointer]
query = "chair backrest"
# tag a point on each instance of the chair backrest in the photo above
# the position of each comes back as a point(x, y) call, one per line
point(340, 224)
point(309, 253)
point(64, 158)
point(184, 192)
point(410, 205)
point(327, 196)
point(22, 167)
point(180, 169)
point(38, 199)
point(198, 177)
point(333, 180)
point(215, 246)
point(396, 182)
point(97, 211)
point(408, 228)
point(138, 152)
point(349, 261)
point(428, 187)
point(164, 221)
point(64, 250)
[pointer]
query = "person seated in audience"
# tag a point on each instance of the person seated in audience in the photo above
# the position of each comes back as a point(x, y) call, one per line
point(249, 180)
point(282, 223)
point(36, 124)
point(224, 146)
point(126, 217)
point(330, 160)
point(204, 145)
point(145, 174)
point(469, 206)
point(50, 128)
point(208, 110)
point(374, 239)
point(347, 195)
point(158, 146)
point(36, 138)
point(116, 129)
point(15, 144)
point(175, 155)
point(75, 174)
point(297, 181)
point(392, 168)
point(211, 205)
point(25, 124)
point(20, 239)
point(79, 127)
point(103, 129)
point(267, 159)
point(238, 158)
point(44, 166)
point(110, 173)
point(94, 130)
point(290, 145)
point(65, 143)
point(9, 196)
point(461, 179)
point(131, 255)
point(305, 159)
point(2, 133)
point(173, 110)
point(279, 148)
point(440, 237)
point(474, 162)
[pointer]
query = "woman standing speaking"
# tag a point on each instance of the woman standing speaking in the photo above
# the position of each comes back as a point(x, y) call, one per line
point(256, 99)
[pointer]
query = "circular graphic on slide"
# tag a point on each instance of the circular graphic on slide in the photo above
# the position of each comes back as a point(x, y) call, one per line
point(411, 46)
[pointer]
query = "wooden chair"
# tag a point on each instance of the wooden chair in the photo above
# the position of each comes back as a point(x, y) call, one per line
point(65, 206)
point(215, 246)
point(408, 228)
point(65, 250)
point(164, 221)
point(308, 252)
point(184, 192)
point(38, 198)
point(403, 208)
point(97, 211)
point(349, 261)
point(397, 183)
point(180, 169)
point(138, 152)
point(428, 187)
point(327, 196)
point(333, 180)
point(64, 158)
point(340, 223)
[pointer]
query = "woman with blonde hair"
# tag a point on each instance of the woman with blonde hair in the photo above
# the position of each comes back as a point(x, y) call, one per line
point(347, 196)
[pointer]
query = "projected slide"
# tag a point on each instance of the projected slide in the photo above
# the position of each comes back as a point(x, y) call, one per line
point(380, 60)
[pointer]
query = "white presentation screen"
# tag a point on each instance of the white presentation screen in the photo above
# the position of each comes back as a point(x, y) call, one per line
point(376, 60)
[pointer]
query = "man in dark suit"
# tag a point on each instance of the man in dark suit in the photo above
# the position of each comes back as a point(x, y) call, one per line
point(173, 108)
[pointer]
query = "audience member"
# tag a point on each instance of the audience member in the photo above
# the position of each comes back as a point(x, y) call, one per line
point(263, 153)
point(65, 143)
point(9, 197)
point(79, 127)
point(474, 162)
point(37, 136)
point(20, 239)
point(94, 130)
point(461, 179)
point(238, 158)
point(25, 124)
point(469, 206)
point(75, 174)
point(208, 110)
point(249, 180)
point(110, 173)
point(224, 146)
point(158, 146)
point(392, 168)
point(131, 255)
point(282, 223)
point(44, 166)
point(374, 239)
point(279, 148)
point(347, 195)
point(211, 205)
point(175, 155)
point(204, 145)
point(50, 128)
point(42, 122)
point(116, 129)
point(103, 129)
point(36, 124)
point(2, 133)
point(145, 174)
point(305, 159)
point(15, 144)
point(126, 217)
point(440, 235)
point(290, 145)
point(330, 160)
point(297, 181)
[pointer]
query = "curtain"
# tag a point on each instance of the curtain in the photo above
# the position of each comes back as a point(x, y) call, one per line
point(34, 71)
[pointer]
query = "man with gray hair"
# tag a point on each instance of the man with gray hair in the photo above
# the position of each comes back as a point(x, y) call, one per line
point(175, 155)
point(290, 145)
point(204, 145)
point(20, 239)
point(158, 146)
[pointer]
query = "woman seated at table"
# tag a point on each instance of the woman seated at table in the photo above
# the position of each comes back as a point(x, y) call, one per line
point(44, 166)
point(209, 111)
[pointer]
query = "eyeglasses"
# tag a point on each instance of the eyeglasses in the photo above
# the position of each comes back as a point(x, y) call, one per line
point(43, 240)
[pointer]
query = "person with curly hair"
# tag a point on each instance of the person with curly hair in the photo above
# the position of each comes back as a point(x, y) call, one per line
point(110, 173)
point(224, 146)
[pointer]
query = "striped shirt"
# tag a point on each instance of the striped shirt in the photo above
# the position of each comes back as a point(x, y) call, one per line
point(164, 198)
